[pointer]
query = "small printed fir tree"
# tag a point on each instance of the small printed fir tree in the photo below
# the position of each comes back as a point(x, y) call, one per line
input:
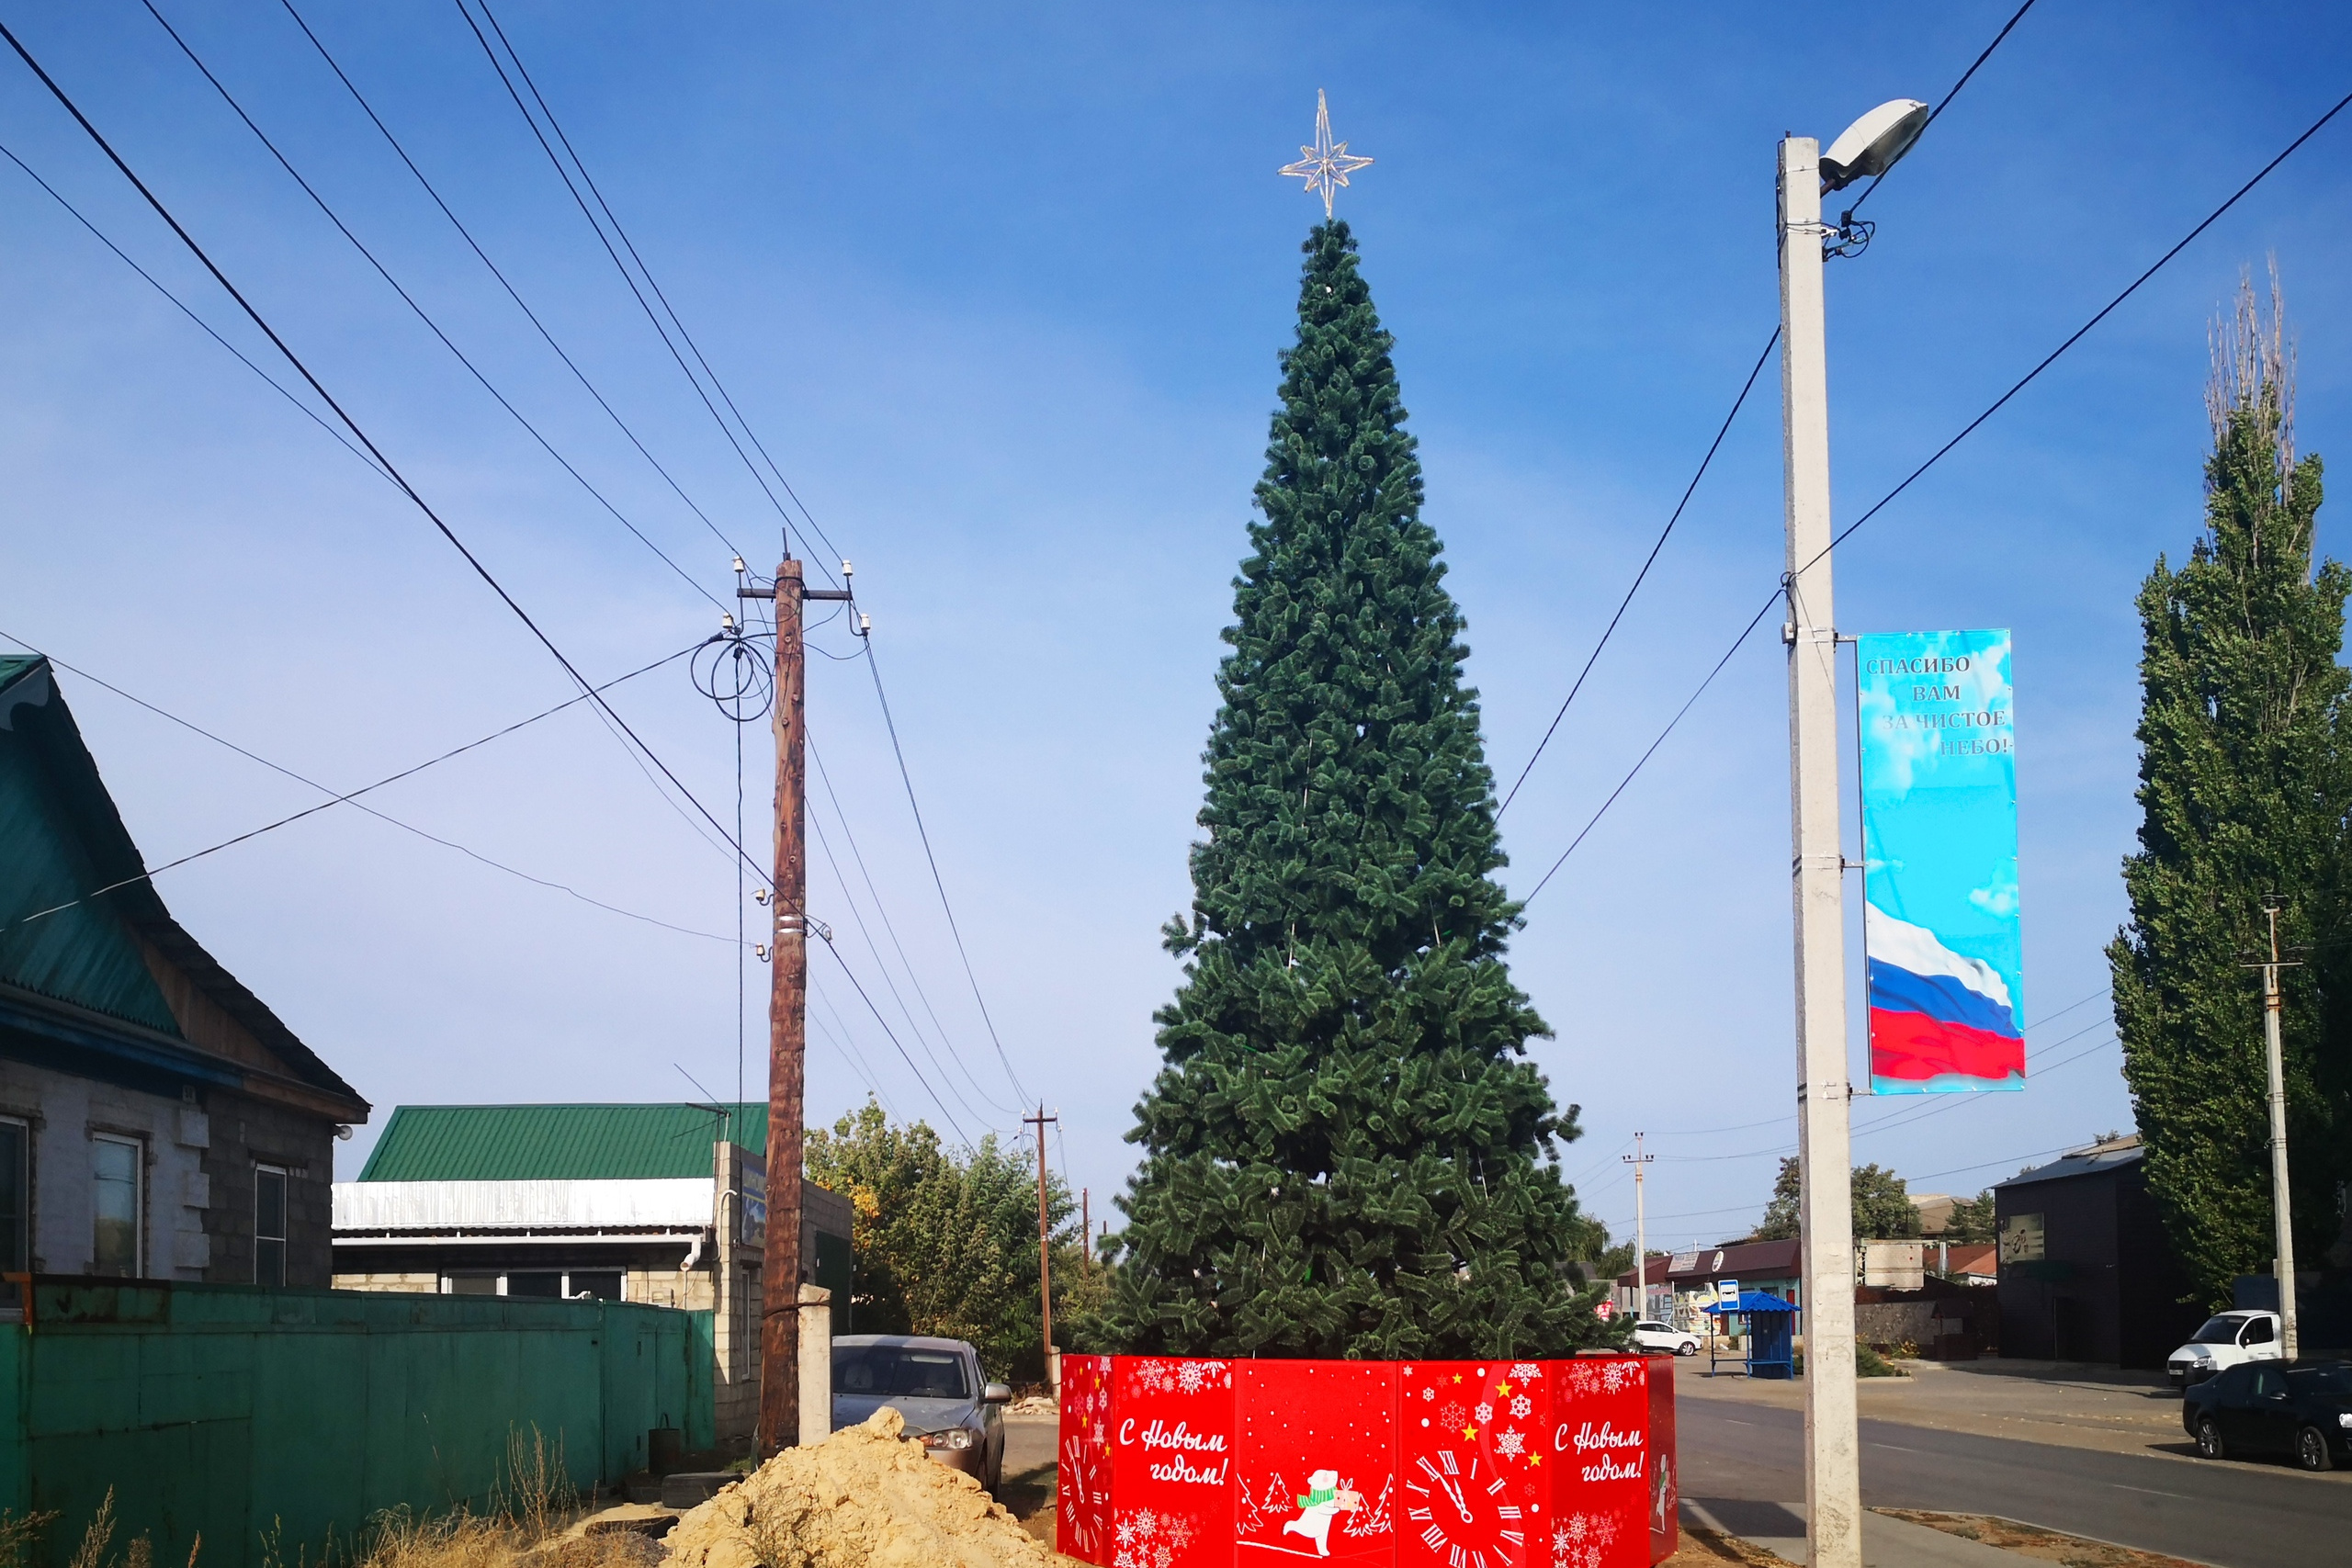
point(1346, 1153)
point(2241, 790)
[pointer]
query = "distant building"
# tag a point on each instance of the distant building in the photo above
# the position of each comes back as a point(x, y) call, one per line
point(1964, 1262)
point(157, 1120)
point(2086, 1273)
point(1935, 1212)
point(1687, 1282)
point(665, 1204)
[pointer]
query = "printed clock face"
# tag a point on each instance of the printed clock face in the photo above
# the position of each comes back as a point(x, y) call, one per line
point(1459, 1512)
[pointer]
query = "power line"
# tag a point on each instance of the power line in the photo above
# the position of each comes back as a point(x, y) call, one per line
point(420, 313)
point(1972, 426)
point(1948, 98)
point(1714, 446)
point(881, 909)
point(858, 915)
point(1640, 577)
point(181, 306)
point(565, 175)
point(1643, 760)
point(651, 282)
point(351, 797)
point(512, 293)
point(417, 499)
point(2105, 310)
point(907, 778)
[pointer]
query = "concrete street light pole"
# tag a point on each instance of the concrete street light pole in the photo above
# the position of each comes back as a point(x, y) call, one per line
point(1832, 1471)
point(2282, 1263)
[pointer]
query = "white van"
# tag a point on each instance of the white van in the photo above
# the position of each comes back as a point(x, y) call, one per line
point(2226, 1340)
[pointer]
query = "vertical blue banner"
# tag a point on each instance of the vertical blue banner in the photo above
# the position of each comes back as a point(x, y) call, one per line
point(1940, 848)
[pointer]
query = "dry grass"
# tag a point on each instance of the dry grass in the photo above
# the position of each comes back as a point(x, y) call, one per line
point(1710, 1549)
point(525, 1525)
point(2032, 1540)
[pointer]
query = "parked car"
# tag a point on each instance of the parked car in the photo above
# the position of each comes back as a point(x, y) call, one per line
point(1649, 1336)
point(2229, 1340)
point(935, 1386)
point(2267, 1408)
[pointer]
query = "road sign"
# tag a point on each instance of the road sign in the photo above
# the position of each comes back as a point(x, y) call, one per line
point(1728, 1294)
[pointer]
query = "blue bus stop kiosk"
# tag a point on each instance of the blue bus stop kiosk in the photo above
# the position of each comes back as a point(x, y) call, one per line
point(1771, 1335)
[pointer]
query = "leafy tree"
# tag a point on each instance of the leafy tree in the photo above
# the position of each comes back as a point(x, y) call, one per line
point(1783, 1213)
point(1883, 1207)
point(1346, 1153)
point(944, 1243)
point(2242, 796)
point(1972, 1220)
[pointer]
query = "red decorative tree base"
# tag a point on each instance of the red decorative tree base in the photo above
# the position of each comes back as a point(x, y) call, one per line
point(1173, 1462)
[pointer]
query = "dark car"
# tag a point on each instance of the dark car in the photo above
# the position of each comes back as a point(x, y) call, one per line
point(2267, 1408)
point(933, 1384)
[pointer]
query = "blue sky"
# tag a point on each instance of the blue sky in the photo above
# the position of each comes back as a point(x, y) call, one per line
point(1002, 289)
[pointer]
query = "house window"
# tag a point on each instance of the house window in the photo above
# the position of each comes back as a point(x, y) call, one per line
point(16, 1197)
point(598, 1284)
point(117, 1169)
point(269, 1226)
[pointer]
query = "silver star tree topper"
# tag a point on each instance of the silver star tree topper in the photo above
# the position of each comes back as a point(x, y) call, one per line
point(1327, 165)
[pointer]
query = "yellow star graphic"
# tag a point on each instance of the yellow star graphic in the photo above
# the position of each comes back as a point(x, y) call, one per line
point(1469, 1431)
point(1457, 1377)
point(1536, 1458)
point(1502, 1388)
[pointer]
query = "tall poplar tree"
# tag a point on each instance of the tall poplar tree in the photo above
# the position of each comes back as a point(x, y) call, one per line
point(1346, 1153)
point(2242, 797)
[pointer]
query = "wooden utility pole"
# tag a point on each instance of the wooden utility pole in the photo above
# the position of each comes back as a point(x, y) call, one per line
point(1086, 1227)
point(780, 1264)
point(1044, 1264)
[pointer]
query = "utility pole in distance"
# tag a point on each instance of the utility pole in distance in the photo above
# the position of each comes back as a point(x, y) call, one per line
point(1833, 1441)
point(1086, 1227)
point(1640, 1234)
point(1044, 1264)
point(779, 1426)
point(2282, 1213)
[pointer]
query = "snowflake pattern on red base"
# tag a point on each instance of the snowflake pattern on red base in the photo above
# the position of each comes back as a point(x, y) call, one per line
point(1179, 1462)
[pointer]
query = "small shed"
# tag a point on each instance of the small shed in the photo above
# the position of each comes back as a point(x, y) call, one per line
point(1771, 1335)
point(2087, 1272)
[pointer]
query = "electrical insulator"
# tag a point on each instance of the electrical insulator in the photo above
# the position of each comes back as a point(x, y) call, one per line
point(865, 624)
point(760, 894)
point(847, 570)
point(760, 949)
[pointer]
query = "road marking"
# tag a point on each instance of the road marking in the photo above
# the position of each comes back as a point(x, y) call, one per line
point(2152, 1491)
point(1898, 1447)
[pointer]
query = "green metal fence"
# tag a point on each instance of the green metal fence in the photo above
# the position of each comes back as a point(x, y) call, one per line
point(236, 1412)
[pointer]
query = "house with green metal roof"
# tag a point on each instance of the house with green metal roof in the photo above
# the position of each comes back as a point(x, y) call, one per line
point(660, 1203)
point(157, 1120)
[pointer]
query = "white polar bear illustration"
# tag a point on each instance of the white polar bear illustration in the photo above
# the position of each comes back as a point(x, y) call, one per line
point(1325, 1500)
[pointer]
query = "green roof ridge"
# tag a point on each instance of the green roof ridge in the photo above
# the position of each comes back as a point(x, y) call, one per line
point(580, 1141)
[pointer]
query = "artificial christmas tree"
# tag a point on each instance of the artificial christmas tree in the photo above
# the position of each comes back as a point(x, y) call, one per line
point(1347, 1153)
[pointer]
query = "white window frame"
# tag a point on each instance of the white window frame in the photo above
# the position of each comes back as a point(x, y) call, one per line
point(25, 1131)
point(284, 1219)
point(138, 1147)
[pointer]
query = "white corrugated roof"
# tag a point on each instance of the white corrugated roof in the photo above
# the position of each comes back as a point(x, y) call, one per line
point(669, 1201)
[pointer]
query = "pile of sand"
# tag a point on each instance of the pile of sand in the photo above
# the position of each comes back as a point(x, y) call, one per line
point(863, 1498)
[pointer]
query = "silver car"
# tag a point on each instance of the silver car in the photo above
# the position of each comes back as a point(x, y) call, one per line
point(935, 1386)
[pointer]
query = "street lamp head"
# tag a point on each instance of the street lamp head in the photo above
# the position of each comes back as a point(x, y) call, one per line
point(1874, 143)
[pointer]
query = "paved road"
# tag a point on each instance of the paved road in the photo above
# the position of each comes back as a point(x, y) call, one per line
point(1743, 1463)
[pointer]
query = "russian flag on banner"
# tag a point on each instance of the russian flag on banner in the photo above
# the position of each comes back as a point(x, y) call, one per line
point(1934, 1013)
point(1937, 721)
